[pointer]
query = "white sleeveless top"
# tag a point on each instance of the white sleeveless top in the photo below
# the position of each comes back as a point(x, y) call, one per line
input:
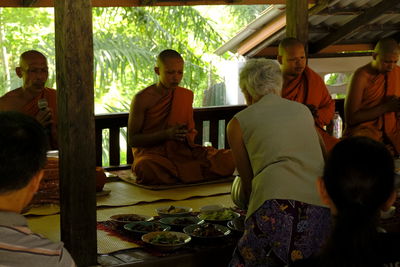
point(284, 151)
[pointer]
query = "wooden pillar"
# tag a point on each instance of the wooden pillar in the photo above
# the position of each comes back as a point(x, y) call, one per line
point(75, 97)
point(297, 19)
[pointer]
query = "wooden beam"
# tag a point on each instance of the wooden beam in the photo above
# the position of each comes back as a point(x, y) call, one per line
point(75, 98)
point(132, 3)
point(339, 50)
point(351, 10)
point(351, 26)
point(297, 20)
point(28, 3)
point(365, 28)
point(268, 30)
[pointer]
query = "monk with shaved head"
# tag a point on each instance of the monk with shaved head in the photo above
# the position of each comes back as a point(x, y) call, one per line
point(372, 104)
point(302, 84)
point(161, 132)
point(33, 98)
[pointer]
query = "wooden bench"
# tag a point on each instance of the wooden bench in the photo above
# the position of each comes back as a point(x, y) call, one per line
point(210, 123)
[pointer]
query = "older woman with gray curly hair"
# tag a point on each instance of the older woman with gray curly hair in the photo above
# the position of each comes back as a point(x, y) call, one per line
point(278, 155)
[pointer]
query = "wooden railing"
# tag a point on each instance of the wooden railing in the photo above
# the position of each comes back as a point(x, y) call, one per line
point(210, 123)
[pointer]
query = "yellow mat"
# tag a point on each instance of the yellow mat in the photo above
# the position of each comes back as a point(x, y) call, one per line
point(49, 226)
point(125, 194)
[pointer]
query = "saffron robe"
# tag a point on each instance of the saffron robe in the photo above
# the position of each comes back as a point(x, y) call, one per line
point(173, 161)
point(32, 109)
point(309, 89)
point(386, 127)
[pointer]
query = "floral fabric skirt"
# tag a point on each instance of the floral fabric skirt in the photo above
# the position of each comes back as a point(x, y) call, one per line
point(280, 232)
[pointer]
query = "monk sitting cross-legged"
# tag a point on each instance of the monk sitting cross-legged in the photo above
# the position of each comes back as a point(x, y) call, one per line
point(161, 132)
point(372, 104)
point(302, 84)
point(33, 98)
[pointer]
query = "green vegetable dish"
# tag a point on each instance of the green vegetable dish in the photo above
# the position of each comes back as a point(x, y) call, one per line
point(167, 239)
point(220, 215)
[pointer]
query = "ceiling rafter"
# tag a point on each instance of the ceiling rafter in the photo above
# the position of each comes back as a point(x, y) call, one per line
point(133, 3)
point(369, 27)
point(330, 11)
point(353, 25)
point(28, 3)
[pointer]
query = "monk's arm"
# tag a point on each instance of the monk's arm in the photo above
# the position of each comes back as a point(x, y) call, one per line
point(241, 157)
point(326, 108)
point(354, 112)
point(322, 145)
point(135, 127)
point(4, 104)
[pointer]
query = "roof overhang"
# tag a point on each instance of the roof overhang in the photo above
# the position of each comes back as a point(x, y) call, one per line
point(338, 28)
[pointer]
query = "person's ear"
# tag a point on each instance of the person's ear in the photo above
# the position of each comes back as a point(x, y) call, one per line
point(157, 70)
point(35, 181)
point(18, 71)
point(279, 58)
point(386, 206)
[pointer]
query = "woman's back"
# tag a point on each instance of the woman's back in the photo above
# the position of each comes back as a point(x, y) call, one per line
point(283, 149)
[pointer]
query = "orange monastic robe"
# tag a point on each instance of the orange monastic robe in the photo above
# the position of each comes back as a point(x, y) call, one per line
point(173, 161)
point(32, 108)
point(309, 88)
point(385, 128)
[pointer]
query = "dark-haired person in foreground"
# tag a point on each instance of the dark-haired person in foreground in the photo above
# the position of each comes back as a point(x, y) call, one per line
point(23, 146)
point(161, 132)
point(358, 183)
point(33, 98)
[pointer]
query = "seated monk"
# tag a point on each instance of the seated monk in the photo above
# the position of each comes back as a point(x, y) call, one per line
point(302, 84)
point(372, 103)
point(33, 98)
point(161, 132)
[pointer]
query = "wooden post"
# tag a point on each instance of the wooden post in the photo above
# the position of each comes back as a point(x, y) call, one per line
point(75, 97)
point(297, 20)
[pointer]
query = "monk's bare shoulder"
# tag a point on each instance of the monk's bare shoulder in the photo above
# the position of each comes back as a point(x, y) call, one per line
point(11, 101)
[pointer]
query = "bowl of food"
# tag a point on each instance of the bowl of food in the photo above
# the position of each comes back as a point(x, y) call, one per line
point(122, 219)
point(179, 223)
point(237, 225)
point(173, 211)
point(166, 240)
point(220, 216)
point(211, 208)
point(137, 229)
point(207, 231)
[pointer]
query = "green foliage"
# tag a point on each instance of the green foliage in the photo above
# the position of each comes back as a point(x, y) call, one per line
point(126, 43)
point(21, 34)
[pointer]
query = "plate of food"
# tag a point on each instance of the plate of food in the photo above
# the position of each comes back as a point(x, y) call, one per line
point(180, 222)
point(122, 219)
point(140, 228)
point(166, 240)
point(219, 216)
point(173, 211)
point(207, 231)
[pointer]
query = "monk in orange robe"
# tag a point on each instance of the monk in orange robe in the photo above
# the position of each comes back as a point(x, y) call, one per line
point(372, 104)
point(161, 132)
point(302, 84)
point(33, 98)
